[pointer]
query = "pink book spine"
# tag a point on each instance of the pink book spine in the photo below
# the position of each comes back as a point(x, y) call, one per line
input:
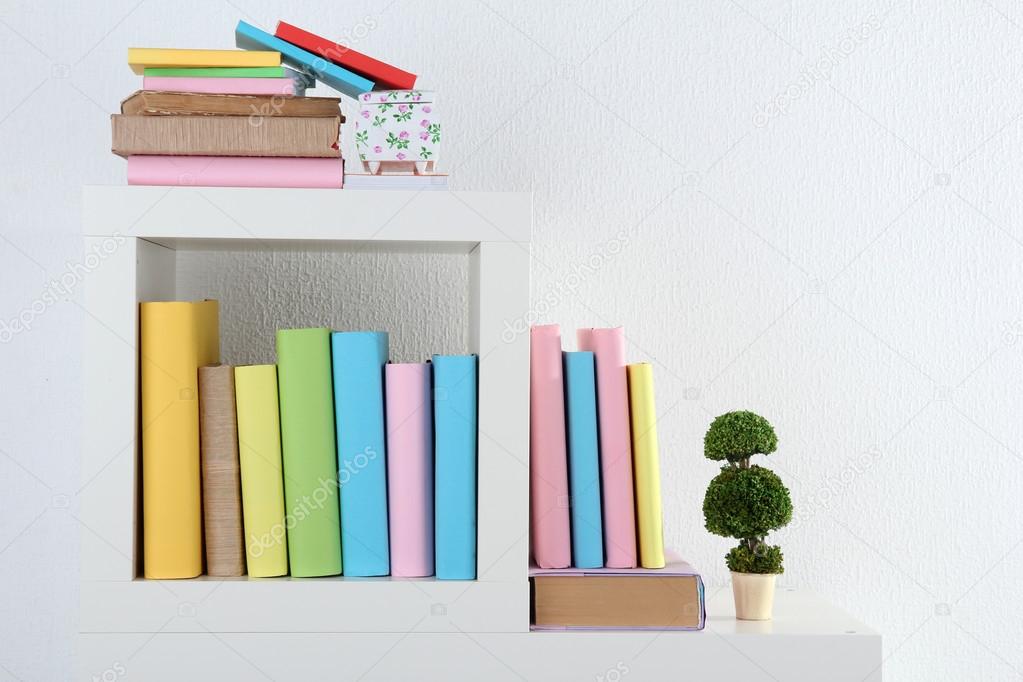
point(409, 414)
point(235, 171)
point(548, 459)
point(608, 346)
point(222, 86)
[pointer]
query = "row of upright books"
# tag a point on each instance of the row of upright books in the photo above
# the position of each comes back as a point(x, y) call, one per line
point(241, 118)
point(595, 493)
point(334, 461)
point(595, 484)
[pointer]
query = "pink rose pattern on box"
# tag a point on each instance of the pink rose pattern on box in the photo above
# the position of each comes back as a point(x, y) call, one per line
point(397, 125)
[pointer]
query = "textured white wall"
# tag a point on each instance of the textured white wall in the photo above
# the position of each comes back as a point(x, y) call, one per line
point(420, 299)
point(807, 209)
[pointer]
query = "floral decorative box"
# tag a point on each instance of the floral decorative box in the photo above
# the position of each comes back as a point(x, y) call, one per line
point(398, 130)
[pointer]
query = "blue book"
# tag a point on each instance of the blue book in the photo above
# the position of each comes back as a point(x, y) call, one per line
point(248, 37)
point(455, 444)
point(358, 369)
point(583, 460)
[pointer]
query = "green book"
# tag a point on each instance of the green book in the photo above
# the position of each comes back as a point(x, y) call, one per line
point(311, 507)
point(219, 72)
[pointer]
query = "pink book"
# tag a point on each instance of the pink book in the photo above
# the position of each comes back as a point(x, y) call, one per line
point(409, 419)
point(608, 346)
point(235, 171)
point(224, 86)
point(548, 459)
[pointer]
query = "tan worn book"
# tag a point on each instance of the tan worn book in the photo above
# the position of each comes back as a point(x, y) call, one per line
point(311, 136)
point(159, 103)
point(221, 472)
point(669, 598)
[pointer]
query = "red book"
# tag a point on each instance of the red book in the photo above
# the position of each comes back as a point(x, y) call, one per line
point(385, 76)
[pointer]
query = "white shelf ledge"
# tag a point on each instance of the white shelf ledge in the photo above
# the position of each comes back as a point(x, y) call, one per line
point(230, 213)
point(808, 639)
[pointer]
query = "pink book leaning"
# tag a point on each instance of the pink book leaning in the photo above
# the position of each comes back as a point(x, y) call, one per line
point(608, 346)
point(409, 418)
point(548, 459)
point(224, 86)
point(235, 171)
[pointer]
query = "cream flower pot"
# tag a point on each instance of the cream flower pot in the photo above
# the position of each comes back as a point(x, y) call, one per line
point(754, 595)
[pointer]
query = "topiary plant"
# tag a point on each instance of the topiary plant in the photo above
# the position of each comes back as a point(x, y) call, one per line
point(745, 501)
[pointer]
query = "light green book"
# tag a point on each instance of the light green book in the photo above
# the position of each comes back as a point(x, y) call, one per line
point(313, 518)
point(219, 72)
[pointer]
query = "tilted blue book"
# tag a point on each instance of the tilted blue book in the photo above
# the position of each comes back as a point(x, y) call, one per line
point(358, 369)
point(583, 460)
point(455, 450)
point(248, 37)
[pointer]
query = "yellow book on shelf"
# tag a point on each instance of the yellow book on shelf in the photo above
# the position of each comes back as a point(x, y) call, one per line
point(259, 448)
point(177, 338)
point(645, 465)
point(139, 58)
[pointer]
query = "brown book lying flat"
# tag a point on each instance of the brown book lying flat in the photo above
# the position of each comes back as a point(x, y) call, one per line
point(226, 135)
point(669, 598)
point(159, 103)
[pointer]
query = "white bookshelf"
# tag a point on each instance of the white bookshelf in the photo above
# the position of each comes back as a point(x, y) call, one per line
point(381, 628)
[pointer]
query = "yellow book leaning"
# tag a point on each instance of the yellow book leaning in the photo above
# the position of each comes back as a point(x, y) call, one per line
point(645, 465)
point(259, 448)
point(139, 58)
point(176, 339)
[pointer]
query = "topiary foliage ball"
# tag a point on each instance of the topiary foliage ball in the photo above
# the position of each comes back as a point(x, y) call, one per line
point(765, 559)
point(737, 435)
point(746, 503)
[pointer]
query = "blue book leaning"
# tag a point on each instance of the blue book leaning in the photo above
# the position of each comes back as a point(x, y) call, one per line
point(358, 369)
point(455, 451)
point(583, 460)
point(248, 37)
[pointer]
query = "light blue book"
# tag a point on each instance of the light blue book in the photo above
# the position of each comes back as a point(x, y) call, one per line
point(248, 37)
point(455, 451)
point(358, 369)
point(583, 460)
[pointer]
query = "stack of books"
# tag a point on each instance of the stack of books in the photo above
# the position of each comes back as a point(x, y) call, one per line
point(595, 490)
point(240, 117)
point(334, 461)
point(226, 118)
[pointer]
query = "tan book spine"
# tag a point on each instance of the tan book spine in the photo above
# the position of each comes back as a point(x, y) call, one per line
point(226, 135)
point(221, 472)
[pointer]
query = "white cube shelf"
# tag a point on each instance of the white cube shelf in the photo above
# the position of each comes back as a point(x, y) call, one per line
point(136, 232)
point(367, 628)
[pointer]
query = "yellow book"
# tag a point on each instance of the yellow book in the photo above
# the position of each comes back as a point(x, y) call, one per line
point(139, 58)
point(645, 465)
point(259, 448)
point(176, 339)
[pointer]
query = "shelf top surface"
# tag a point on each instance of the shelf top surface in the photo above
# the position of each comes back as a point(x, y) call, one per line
point(235, 213)
point(797, 612)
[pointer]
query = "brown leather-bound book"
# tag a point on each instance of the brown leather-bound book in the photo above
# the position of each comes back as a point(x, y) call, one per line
point(669, 598)
point(160, 103)
point(221, 472)
point(308, 136)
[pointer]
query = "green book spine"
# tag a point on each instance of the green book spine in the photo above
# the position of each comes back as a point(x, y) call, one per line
point(218, 72)
point(309, 452)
